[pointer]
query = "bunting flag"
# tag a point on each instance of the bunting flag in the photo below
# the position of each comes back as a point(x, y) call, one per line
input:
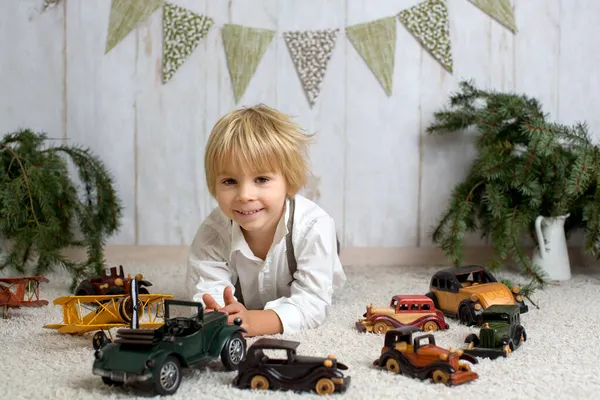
point(375, 41)
point(125, 15)
point(311, 52)
point(182, 31)
point(500, 10)
point(244, 48)
point(428, 23)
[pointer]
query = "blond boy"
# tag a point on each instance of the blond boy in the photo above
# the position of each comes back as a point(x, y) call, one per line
point(265, 254)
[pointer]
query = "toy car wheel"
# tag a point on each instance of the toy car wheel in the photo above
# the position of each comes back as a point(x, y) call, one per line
point(430, 326)
point(325, 386)
point(392, 365)
point(233, 352)
point(99, 340)
point(259, 382)
point(465, 315)
point(110, 382)
point(439, 376)
point(472, 338)
point(380, 327)
point(169, 376)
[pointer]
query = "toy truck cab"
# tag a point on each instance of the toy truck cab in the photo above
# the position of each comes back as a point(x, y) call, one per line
point(156, 356)
point(421, 358)
point(500, 334)
point(403, 310)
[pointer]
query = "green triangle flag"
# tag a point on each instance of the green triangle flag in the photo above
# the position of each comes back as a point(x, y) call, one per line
point(125, 15)
point(182, 31)
point(500, 10)
point(244, 48)
point(428, 23)
point(375, 41)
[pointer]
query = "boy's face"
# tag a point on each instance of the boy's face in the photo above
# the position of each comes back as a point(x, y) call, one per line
point(254, 200)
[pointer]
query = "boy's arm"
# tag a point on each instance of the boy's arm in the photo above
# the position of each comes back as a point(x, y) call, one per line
point(207, 268)
point(263, 322)
point(312, 290)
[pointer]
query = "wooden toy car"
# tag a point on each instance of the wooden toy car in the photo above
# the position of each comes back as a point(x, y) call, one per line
point(294, 372)
point(110, 284)
point(464, 292)
point(21, 292)
point(404, 310)
point(156, 356)
point(500, 334)
point(422, 359)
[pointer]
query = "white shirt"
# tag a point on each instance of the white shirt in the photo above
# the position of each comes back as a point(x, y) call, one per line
point(219, 255)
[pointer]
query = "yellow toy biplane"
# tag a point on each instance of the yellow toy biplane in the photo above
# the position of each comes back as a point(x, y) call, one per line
point(91, 313)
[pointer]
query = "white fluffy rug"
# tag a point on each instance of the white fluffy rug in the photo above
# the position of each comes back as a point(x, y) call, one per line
point(559, 360)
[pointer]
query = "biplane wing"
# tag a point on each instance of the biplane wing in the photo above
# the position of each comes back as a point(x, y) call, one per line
point(91, 313)
point(22, 291)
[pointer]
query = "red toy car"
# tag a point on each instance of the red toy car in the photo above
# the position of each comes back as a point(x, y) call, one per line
point(404, 310)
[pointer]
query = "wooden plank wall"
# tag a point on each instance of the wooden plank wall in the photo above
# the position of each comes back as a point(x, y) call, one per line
point(384, 181)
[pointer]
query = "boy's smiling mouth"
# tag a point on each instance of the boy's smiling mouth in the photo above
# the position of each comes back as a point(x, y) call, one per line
point(250, 212)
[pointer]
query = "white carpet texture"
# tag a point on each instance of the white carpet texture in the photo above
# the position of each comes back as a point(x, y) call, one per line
point(559, 360)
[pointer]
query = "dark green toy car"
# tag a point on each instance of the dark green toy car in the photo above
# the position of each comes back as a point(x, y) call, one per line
point(501, 333)
point(156, 356)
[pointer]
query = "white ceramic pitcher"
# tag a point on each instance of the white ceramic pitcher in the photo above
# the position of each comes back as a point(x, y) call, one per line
point(552, 254)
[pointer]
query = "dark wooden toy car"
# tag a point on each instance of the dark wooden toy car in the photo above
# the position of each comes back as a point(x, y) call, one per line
point(294, 372)
point(422, 359)
point(156, 356)
point(404, 310)
point(500, 334)
point(464, 292)
point(111, 284)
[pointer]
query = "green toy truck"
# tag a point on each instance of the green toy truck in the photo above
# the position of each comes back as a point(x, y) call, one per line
point(156, 356)
point(500, 334)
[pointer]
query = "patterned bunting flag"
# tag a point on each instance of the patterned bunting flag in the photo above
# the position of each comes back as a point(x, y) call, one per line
point(124, 17)
point(500, 10)
point(182, 31)
point(428, 22)
point(311, 52)
point(375, 41)
point(244, 48)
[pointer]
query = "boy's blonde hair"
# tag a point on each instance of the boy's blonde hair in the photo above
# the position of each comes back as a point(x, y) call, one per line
point(259, 139)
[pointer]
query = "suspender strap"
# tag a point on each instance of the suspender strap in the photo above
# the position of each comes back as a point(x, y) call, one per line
point(289, 251)
point(289, 245)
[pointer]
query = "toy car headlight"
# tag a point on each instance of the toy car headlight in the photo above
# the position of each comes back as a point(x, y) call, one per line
point(98, 354)
point(150, 363)
point(516, 289)
point(474, 297)
point(477, 306)
point(519, 298)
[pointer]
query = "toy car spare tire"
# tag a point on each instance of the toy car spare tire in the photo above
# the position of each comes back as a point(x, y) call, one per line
point(259, 382)
point(472, 338)
point(465, 313)
point(233, 352)
point(169, 376)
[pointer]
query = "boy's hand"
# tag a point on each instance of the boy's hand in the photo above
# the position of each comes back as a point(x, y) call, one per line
point(210, 303)
point(234, 308)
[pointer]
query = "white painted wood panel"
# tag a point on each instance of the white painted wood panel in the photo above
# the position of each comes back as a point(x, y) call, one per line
point(31, 68)
point(100, 99)
point(382, 161)
point(376, 171)
point(327, 118)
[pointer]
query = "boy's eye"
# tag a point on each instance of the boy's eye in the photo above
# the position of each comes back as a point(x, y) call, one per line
point(262, 179)
point(228, 181)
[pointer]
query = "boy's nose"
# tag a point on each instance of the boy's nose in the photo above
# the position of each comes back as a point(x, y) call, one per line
point(245, 193)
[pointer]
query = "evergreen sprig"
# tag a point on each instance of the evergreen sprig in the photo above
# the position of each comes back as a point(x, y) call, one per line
point(526, 166)
point(43, 211)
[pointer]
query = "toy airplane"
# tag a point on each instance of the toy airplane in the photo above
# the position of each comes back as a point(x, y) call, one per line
point(21, 292)
point(108, 311)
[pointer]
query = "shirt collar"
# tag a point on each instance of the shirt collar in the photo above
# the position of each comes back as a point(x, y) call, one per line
point(238, 241)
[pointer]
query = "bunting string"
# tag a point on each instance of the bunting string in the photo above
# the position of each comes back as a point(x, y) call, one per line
point(310, 50)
